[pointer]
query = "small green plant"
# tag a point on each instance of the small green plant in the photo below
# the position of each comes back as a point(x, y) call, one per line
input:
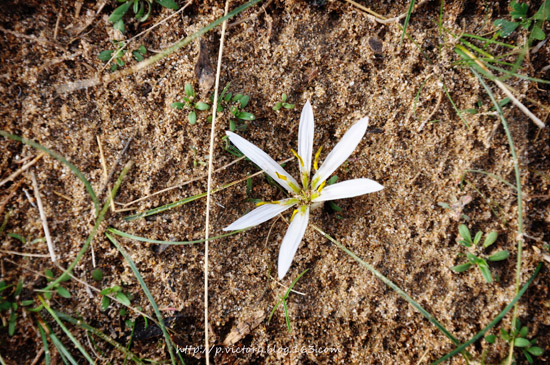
point(11, 302)
point(283, 104)
point(481, 262)
point(283, 300)
point(138, 6)
point(62, 291)
point(115, 291)
point(518, 338)
point(518, 13)
point(235, 103)
point(190, 104)
point(118, 53)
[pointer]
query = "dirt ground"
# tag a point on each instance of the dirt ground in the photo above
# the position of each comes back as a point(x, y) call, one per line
point(330, 53)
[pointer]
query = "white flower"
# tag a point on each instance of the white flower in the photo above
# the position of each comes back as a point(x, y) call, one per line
point(309, 191)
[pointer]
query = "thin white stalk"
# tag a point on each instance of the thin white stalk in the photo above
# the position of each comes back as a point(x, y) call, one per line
point(209, 185)
point(43, 217)
point(23, 168)
point(518, 103)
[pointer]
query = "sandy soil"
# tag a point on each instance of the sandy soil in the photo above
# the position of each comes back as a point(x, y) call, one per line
point(329, 53)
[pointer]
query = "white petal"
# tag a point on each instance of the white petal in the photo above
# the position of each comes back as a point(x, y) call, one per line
point(341, 151)
point(305, 137)
point(348, 189)
point(263, 160)
point(259, 215)
point(292, 240)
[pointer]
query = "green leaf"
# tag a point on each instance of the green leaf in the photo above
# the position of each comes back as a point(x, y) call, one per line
point(544, 11)
point(519, 10)
point(189, 90)
point(334, 207)
point(333, 179)
point(506, 27)
point(244, 101)
point(26, 303)
point(119, 62)
point(537, 33)
point(105, 302)
point(237, 97)
point(535, 350)
point(289, 106)
point(97, 275)
point(523, 332)
point(469, 111)
point(170, 4)
point(245, 116)
point(105, 55)
point(114, 67)
point(499, 256)
point(119, 12)
point(17, 237)
point(228, 97)
point(528, 356)
point(119, 26)
point(461, 267)
point(284, 97)
point(18, 288)
point(11, 323)
point(521, 342)
point(49, 274)
point(484, 268)
point(491, 338)
point(137, 56)
point(490, 239)
point(177, 105)
point(202, 106)
point(477, 238)
point(444, 205)
point(465, 233)
point(278, 106)
point(232, 126)
point(192, 118)
point(141, 49)
point(123, 298)
point(63, 292)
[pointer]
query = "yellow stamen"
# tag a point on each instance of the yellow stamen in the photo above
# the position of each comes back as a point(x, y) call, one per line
point(316, 160)
point(298, 157)
point(282, 177)
point(293, 214)
point(272, 202)
point(322, 186)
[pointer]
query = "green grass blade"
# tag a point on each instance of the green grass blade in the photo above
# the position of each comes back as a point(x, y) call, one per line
point(147, 294)
point(389, 283)
point(148, 240)
point(98, 333)
point(61, 159)
point(495, 177)
point(47, 358)
point(92, 234)
point(518, 191)
point(494, 322)
point(66, 330)
point(176, 204)
point(458, 112)
point(406, 24)
point(62, 350)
